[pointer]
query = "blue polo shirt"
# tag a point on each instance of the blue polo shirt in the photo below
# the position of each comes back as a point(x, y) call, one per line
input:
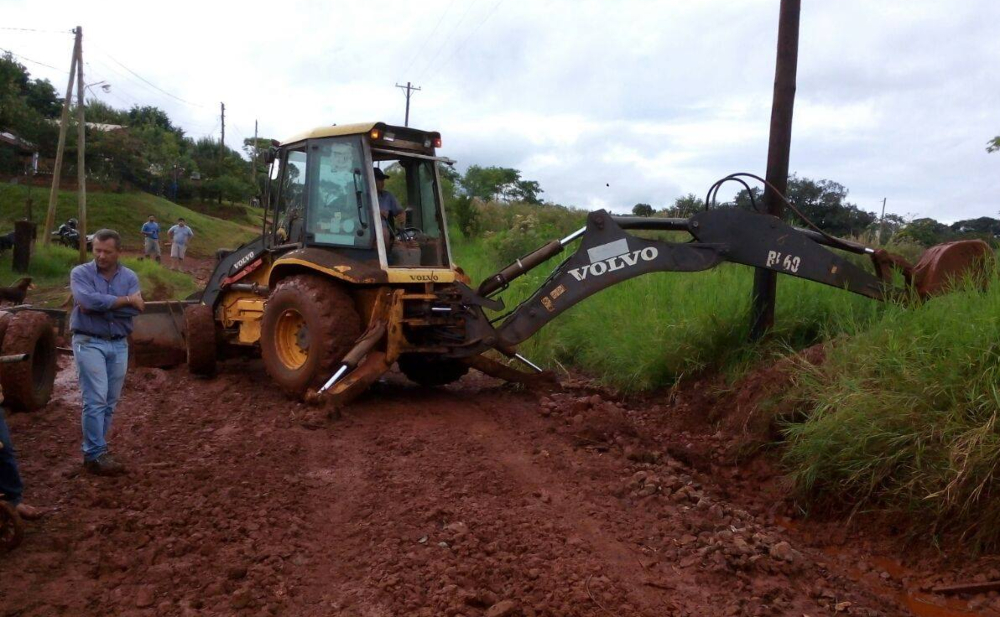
point(93, 296)
point(153, 229)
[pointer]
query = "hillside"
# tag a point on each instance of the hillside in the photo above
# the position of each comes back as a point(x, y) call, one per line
point(125, 212)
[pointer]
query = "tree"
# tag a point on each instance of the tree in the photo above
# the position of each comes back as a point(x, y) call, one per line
point(983, 226)
point(499, 183)
point(686, 206)
point(993, 145)
point(488, 183)
point(823, 202)
point(152, 116)
point(642, 210)
point(526, 191)
point(26, 105)
point(925, 231)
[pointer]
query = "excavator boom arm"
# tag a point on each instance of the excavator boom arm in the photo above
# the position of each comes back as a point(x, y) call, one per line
point(608, 255)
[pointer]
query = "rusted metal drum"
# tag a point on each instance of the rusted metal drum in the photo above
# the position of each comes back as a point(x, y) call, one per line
point(945, 265)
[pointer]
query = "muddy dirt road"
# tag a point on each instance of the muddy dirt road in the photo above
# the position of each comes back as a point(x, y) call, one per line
point(471, 500)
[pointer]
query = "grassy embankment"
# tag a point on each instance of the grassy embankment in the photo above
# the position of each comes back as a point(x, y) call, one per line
point(902, 417)
point(126, 213)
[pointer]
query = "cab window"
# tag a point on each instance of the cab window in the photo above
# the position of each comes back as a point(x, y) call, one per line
point(340, 203)
point(290, 198)
point(419, 240)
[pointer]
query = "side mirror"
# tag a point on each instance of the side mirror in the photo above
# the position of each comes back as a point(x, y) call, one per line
point(270, 155)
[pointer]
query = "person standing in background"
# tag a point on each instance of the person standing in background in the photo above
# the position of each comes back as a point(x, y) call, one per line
point(179, 234)
point(151, 232)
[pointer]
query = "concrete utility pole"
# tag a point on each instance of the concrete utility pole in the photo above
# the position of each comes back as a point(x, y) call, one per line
point(81, 170)
point(778, 150)
point(50, 215)
point(409, 89)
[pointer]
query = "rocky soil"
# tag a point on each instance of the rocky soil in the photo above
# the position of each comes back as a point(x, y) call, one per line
point(474, 500)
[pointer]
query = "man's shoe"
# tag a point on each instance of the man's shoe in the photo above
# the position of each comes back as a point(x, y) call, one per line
point(104, 465)
point(30, 513)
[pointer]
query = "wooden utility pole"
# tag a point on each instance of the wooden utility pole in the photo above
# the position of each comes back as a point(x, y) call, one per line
point(254, 170)
point(778, 150)
point(222, 141)
point(409, 90)
point(81, 169)
point(50, 215)
point(222, 145)
point(881, 225)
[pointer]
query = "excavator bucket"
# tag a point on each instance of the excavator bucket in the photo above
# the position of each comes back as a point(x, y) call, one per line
point(946, 265)
point(158, 335)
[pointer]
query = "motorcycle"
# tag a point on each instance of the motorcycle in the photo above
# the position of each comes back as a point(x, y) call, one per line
point(68, 235)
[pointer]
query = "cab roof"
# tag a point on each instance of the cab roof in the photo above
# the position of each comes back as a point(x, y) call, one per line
point(358, 128)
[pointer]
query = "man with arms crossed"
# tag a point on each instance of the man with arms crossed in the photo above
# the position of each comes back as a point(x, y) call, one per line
point(179, 236)
point(106, 297)
point(151, 231)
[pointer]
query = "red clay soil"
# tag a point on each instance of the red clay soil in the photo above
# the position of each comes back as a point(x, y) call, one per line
point(472, 500)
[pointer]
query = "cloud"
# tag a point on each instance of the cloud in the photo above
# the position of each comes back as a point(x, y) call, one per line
point(606, 104)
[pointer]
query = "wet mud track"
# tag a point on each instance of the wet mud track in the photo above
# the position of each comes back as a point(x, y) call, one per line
point(471, 500)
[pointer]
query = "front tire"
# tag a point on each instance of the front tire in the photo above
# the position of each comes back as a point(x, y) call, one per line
point(309, 325)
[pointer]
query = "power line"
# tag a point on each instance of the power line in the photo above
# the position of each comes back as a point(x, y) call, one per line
point(444, 42)
point(37, 30)
point(430, 37)
point(459, 47)
point(173, 96)
point(30, 60)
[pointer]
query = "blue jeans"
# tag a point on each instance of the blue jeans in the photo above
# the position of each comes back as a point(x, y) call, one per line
point(101, 366)
point(10, 478)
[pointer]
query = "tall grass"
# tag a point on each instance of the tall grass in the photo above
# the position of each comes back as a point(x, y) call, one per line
point(904, 417)
point(654, 330)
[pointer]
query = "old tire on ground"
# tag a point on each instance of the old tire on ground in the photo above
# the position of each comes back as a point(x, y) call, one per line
point(28, 385)
point(309, 324)
point(431, 370)
point(202, 346)
point(11, 529)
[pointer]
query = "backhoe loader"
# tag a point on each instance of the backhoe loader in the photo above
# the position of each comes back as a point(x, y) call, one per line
point(332, 293)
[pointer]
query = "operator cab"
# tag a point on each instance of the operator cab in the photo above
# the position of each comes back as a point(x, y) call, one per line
point(322, 193)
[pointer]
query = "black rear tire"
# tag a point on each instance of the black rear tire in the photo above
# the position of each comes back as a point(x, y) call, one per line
point(431, 370)
point(27, 385)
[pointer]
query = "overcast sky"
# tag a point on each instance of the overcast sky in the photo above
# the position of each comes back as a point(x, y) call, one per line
point(606, 104)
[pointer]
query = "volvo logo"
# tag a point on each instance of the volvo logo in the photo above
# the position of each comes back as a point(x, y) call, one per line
point(244, 260)
point(611, 257)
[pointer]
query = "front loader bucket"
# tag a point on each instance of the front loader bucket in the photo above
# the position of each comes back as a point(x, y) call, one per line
point(158, 335)
point(945, 265)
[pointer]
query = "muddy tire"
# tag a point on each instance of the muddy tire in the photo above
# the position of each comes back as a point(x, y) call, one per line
point(202, 344)
point(11, 528)
point(431, 370)
point(28, 385)
point(309, 324)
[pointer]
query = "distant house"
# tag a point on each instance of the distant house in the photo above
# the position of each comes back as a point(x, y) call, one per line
point(27, 151)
